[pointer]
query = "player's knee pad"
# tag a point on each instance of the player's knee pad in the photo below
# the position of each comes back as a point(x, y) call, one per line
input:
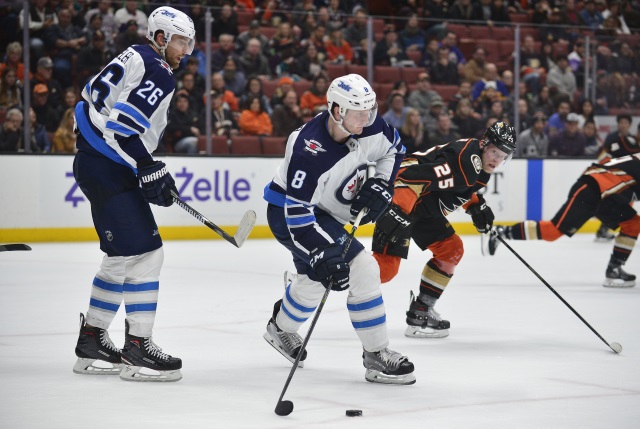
point(631, 227)
point(447, 253)
point(112, 269)
point(364, 277)
point(145, 267)
point(389, 266)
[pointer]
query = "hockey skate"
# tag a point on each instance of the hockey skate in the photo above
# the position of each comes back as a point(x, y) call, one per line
point(145, 361)
point(604, 234)
point(388, 367)
point(97, 355)
point(287, 344)
point(617, 277)
point(490, 242)
point(424, 322)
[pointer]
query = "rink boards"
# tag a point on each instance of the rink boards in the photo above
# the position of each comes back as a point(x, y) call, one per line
point(40, 201)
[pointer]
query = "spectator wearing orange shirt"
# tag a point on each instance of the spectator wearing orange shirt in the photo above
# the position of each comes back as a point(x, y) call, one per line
point(218, 84)
point(314, 100)
point(14, 60)
point(254, 120)
point(338, 50)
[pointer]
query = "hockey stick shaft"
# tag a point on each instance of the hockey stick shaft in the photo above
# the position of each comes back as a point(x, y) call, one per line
point(13, 247)
point(347, 244)
point(244, 228)
point(613, 346)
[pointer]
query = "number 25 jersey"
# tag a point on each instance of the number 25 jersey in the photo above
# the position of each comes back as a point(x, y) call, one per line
point(124, 108)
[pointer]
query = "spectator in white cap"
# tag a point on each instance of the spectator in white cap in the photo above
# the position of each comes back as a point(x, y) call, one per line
point(570, 141)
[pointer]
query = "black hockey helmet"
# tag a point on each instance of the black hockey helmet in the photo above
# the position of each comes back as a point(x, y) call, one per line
point(503, 136)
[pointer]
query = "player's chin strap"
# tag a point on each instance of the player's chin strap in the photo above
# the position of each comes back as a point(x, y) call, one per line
point(339, 124)
point(162, 49)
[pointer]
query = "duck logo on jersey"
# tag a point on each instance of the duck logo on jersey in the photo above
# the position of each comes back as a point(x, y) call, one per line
point(347, 190)
point(313, 146)
point(476, 162)
point(448, 210)
point(164, 65)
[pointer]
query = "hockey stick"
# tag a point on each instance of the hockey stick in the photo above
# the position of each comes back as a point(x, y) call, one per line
point(12, 247)
point(284, 408)
point(244, 228)
point(616, 347)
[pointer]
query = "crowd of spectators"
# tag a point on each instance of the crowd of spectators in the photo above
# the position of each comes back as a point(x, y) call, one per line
point(273, 60)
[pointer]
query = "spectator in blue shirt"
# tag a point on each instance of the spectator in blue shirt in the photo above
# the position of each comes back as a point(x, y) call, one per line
point(590, 16)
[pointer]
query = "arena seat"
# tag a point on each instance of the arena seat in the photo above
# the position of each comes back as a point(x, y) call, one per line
point(246, 145)
point(387, 74)
point(273, 145)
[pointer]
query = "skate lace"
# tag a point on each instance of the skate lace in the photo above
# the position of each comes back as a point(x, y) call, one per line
point(391, 358)
point(292, 341)
point(154, 350)
point(105, 340)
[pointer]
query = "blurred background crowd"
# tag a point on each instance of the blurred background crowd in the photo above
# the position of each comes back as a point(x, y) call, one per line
point(441, 70)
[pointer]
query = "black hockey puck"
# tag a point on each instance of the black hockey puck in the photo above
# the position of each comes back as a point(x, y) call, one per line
point(354, 413)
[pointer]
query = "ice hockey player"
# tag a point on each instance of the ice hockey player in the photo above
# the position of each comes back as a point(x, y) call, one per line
point(431, 185)
point(604, 191)
point(120, 119)
point(320, 187)
point(617, 144)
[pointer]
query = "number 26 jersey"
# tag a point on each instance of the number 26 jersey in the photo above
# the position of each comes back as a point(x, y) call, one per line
point(124, 108)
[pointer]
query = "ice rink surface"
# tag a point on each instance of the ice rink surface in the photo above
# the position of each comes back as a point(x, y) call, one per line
point(516, 357)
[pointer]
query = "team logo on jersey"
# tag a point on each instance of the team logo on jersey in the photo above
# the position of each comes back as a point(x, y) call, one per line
point(476, 162)
point(109, 235)
point(351, 185)
point(313, 146)
point(164, 65)
point(448, 210)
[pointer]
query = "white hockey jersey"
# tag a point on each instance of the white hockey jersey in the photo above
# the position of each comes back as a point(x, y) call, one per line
point(124, 109)
point(319, 172)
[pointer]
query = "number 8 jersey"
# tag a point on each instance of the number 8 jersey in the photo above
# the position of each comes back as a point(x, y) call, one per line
point(124, 108)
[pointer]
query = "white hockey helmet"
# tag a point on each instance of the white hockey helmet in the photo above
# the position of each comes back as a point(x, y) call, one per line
point(171, 21)
point(352, 92)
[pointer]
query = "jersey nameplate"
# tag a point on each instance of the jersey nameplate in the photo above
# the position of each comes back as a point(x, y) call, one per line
point(125, 55)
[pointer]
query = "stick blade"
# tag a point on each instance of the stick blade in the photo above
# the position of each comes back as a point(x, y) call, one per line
point(13, 247)
point(616, 347)
point(284, 408)
point(245, 227)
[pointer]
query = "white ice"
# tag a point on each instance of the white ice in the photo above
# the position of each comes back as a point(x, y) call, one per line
point(517, 357)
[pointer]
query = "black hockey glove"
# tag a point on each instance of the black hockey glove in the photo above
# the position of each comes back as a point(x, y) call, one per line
point(393, 225)
point(482, 216)
point(156, 183)
point(330, 266)
point(375, 195)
